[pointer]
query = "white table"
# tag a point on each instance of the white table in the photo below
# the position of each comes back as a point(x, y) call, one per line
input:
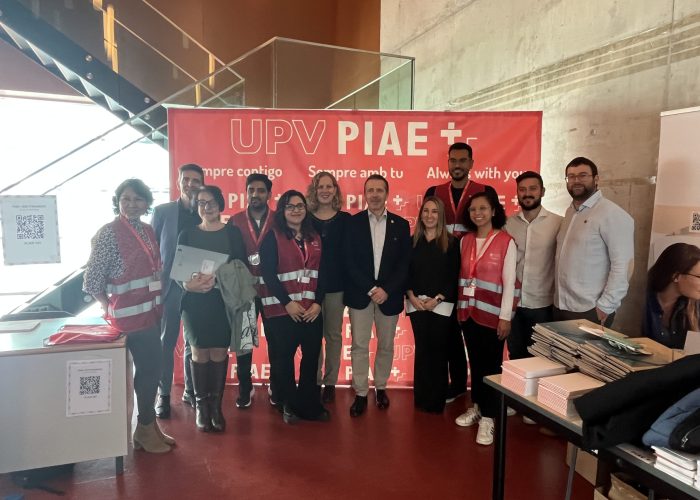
point(34, 429)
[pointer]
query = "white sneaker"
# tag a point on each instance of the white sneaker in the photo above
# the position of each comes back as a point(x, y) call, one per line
point(470, 417)
point(485, 434)
point(510, 411)
point(528, 421)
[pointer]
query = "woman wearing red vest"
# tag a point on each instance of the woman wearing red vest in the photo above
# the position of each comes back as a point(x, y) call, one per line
point(292, 294)
point(123, 274)
point(207, 328)
point(487, 297)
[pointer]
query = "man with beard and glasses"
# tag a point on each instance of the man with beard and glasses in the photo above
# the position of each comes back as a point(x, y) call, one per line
point(254, 224)
point(455, 194)
point(534, 230)
point(595, 250)
point(169, 219)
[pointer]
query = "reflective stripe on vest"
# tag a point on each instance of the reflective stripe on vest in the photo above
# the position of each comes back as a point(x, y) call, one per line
point(294, 275)
point(144, 307)
point(482, 306)
point(484, 285)
point(129, 285)
point(308, 294)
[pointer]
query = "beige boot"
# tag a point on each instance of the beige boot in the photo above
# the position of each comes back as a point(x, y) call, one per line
point(169, 440)
point(147, 437)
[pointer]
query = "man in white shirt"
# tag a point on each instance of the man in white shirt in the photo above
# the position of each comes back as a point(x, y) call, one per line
point(595, 250)
point(378, 254)
point(534, 230)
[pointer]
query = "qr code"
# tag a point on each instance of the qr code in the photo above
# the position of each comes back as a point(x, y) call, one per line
point(695, 223)
point(30, 227)
point(89, 385)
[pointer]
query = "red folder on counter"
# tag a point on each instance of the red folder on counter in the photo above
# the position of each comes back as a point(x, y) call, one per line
point(81, 334)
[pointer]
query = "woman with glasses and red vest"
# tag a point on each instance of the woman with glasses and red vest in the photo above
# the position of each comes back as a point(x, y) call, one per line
point(488, 294)
point(123, 274)
point(291, 294)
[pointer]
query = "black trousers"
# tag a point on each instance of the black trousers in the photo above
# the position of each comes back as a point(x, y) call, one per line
point(304, 399)
point(431, 333)
point(563, 315)
point(521, 329)
point(456, 358)
point(485, 358)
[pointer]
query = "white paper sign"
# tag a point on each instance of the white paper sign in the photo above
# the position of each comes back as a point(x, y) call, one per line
point(89, 387)
point(29, 230)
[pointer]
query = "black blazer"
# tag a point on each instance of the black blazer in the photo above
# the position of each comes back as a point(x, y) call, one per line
point(393, 269)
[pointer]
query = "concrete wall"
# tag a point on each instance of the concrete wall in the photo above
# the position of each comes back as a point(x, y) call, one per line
point(600, 70)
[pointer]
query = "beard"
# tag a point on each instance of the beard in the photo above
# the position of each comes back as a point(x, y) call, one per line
point(534, 205)
point(585, 194)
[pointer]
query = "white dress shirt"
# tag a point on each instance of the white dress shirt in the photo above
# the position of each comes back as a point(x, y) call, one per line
point(595, 256)
point(537, 246)
point(377, 228)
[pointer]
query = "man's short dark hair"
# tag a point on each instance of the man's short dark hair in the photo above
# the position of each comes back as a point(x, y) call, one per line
point(529, 174)
point(377, 177)
point(192, 167)
point(461, 146)
point(259, 178)
point(581, 160)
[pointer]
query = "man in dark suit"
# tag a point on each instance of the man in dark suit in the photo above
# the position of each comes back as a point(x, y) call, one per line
point(378, 254)
point(169, 220)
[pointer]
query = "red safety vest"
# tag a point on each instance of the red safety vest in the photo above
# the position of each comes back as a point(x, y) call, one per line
point(132, 305)
point(484, 307)
point(454, 212)
point(298, 275)
point(252, 242)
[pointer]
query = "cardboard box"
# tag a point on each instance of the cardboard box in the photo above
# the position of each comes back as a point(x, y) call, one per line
point(586, 464)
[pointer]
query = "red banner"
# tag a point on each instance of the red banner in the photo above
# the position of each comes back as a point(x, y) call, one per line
point(409, 148)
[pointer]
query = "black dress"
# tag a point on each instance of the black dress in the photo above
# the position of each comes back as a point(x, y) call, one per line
point(432, 272)
point(204, 314)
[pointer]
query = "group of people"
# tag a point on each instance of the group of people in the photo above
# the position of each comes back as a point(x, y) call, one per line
point(469, 274)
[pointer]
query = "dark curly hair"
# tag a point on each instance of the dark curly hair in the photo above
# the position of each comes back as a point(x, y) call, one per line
point(499, 218)
point(307, 229)
point(139, 188)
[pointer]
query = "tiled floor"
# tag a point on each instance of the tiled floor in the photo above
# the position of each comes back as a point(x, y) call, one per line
point(397, 453)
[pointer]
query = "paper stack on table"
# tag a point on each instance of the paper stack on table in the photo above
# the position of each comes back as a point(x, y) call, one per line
point(601, 360)
point(522, 375)
point(682, 466)
point(558, 392)
point(559, 340)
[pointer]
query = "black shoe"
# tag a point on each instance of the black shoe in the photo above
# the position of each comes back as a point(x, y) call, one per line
point(382, 399)
point(453, 394)
point(245, 398)
point(163, 407)
point(358, 406)
point(188, 398)
point(289, 416)
point(323, 416)
point(328, 394)
point(200, 380)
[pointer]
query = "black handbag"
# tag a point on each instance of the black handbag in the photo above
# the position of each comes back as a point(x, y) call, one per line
point(686, 436)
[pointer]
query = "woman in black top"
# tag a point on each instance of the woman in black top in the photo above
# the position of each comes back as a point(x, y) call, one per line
point(673, 295)
point(292, 294)
point(203, 312)
point(324, 199)
point(432, 294)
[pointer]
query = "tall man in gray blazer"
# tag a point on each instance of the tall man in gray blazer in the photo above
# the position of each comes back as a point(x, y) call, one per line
point(169, 220)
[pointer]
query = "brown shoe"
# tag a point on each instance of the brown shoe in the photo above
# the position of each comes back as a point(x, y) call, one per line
point(146, 438)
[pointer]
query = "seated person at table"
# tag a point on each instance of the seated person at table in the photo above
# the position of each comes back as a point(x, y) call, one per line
point(673, 295)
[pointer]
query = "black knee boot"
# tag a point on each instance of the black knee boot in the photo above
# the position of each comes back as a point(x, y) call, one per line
point(217, 372)
point(200, 382)
point(244, 364)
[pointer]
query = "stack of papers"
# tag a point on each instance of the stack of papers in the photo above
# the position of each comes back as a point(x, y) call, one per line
point(558, 392)
point(682, 466)
point(522, 375)
point(559, 340)
point(601, 360)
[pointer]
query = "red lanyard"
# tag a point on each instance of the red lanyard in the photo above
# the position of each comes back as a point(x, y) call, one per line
point(473, 260)
point(150, 252)
point(251, 230)
point(461, 197)
point(304, 254)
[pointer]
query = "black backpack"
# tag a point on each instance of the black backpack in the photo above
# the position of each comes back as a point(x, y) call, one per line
point(686, 436)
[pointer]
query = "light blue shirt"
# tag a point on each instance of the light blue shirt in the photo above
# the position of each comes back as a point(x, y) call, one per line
point(595, 256)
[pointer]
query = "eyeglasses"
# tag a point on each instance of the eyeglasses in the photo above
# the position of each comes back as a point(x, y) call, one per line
point(693, 275)
point(291, 208)
point(577, 177)
point(207, 203)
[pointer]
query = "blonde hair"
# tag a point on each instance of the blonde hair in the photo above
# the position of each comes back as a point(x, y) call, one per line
point(312, 196)
point(442, 236)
